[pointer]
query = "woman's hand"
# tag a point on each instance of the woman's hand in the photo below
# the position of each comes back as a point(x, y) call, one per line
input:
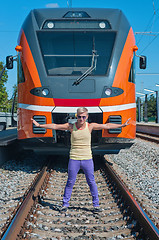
point(126, 123)
point(35, 122)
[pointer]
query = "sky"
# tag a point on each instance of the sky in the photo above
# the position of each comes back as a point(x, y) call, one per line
point(142, 15)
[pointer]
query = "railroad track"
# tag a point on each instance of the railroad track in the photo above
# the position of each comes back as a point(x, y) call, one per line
point(148, 137)
point(39, 216)
point(15, 177)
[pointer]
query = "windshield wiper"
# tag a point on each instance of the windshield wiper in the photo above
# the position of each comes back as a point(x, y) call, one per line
point(89, 70)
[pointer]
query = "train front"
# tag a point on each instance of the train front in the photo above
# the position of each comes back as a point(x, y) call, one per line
point(69, 58)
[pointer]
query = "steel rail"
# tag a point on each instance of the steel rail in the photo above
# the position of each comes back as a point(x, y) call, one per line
point(148, 137)
point(18, 220)
point(148, 226)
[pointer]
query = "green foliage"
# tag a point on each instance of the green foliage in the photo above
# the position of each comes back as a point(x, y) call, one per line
point(151, 108)
point(151, 105)
point(4, 103)
point(14, 97)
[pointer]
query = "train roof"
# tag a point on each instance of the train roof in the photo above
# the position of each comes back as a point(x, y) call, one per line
point(94, 13)
point(114, 16)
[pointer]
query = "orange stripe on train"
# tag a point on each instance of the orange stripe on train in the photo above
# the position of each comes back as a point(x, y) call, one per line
point(32, 79)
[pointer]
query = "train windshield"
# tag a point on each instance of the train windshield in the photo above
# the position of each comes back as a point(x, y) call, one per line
point(70, 53)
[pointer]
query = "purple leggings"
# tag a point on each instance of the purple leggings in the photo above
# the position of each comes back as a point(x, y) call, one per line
point(73, 167)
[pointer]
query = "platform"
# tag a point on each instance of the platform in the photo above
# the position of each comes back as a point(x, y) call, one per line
point(8, 136)
point(148, 128)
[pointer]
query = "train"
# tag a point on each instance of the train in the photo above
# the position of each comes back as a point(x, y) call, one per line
point(70, 58)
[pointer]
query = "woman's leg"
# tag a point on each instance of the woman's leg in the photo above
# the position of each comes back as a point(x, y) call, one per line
point(88, 168)
point(73, 168)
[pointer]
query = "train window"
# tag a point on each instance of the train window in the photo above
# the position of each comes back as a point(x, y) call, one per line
point(132, 73)
point(20, 72)
point(70, 53)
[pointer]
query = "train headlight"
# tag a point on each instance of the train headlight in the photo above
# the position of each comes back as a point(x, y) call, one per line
point(50, 24)
point(45, 91)
point(108, 91)
point(102, 25)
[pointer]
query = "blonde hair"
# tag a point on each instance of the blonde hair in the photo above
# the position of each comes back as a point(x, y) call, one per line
point(81, 110)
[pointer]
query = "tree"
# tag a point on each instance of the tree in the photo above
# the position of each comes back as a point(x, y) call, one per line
point(151, 107)
point(14, 98)
point(4, 103)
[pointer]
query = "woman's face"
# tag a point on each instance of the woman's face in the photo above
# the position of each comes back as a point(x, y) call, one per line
point(82, 118)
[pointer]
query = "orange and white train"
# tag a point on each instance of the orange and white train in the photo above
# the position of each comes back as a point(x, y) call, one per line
point(69, 58)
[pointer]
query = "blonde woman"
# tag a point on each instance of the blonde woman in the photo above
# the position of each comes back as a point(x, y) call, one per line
point(80, 153)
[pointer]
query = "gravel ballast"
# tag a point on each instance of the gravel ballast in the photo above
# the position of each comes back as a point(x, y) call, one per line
point(139, 168)
point(15, 178)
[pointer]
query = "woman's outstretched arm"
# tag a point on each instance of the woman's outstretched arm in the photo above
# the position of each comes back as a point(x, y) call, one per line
point(65, 126)
point(96, 126)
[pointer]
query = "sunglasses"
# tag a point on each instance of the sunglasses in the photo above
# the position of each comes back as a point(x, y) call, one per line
point(79, 117)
